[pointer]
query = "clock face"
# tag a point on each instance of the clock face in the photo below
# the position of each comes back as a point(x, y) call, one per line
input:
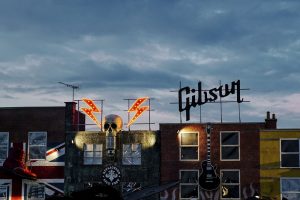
point(111, 175)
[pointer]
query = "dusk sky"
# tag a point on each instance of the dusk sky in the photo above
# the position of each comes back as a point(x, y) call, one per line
point(114, 50)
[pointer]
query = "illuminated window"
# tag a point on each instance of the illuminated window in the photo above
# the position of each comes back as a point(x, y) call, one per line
point(230, 184)
point(189, 146)
point(132, 154)
point(92, 154)
point(189, 184)
point(230, 146)
point(4, 140)
point(37, 145)
point(35, 191)
point(290, 153)
point(290, 188)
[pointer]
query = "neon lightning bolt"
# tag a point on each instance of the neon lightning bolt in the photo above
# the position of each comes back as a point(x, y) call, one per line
point(139, 110)
point(90, 111)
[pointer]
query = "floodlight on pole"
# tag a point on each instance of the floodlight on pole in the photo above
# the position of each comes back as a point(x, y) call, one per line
point(71, 86)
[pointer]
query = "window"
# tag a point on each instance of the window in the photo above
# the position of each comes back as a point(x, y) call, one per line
point(92, 154)
point(4, 137)
point(230, 184)
point(4, 192)
point(132, 154)
point(289, 152)
point(290, 188)
point(230, 146)
point(189, 184)
point(5, 189)
point(37, 145)
point(36, 191)
point(189, 146)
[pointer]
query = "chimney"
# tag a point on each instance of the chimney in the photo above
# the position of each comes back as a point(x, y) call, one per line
point(270, 123)
point(70, 113)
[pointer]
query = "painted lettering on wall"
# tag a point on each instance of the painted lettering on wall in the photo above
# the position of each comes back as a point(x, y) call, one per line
point(200, 97)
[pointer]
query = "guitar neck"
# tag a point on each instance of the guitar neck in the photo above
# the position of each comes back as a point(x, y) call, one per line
point(208, 146)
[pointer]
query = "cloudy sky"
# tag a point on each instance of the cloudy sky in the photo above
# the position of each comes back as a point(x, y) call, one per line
point(127, 49)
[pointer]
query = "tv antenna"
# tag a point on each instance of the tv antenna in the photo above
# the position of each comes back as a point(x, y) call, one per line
point(74, 87)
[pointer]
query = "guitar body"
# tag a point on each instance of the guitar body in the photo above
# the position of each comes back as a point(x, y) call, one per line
point(208, 179)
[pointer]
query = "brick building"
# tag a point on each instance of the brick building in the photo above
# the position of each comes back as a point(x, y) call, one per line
point(234, 150)
point(40, 132)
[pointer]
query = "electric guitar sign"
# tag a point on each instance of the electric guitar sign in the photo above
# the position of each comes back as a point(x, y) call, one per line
point(208, 179)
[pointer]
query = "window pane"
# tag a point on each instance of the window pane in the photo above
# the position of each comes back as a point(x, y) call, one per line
point(290, 185)
point(189, 138)
point(98, 147)
point(88, 147)
point(230, 176)
point(189, 153)
point(290, 160)
point(3, 192)
point(3, 138)
point(98, 154)
point(88, 154)
point(230, 138)
point(230, 191)
point(230, 153)
point(37, 152)
point(88, 161)
point(189, 191)
point(3, 153)
point(189, 176)
point(291, 196)
point(36, 191)
point(132, 154)
point(126, 148)
point(136, 161)
point(289, 146)
point(37, 138)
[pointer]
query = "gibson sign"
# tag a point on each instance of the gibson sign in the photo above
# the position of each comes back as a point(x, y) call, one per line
point(192, 99)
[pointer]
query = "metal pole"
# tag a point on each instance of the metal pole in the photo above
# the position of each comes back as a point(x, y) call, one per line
point(149, 114)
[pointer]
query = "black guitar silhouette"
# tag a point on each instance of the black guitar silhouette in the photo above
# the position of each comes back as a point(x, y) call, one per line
point(208, 179)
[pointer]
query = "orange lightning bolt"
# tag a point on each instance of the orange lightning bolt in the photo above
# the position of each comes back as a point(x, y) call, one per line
point(90, 111)
point(139, 110)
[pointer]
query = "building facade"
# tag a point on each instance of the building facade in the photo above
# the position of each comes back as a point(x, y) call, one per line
point(280, 164)
point(233, 148)
point(40, 133)
point(128, 161)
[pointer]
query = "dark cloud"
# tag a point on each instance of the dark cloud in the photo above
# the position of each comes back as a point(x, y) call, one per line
point(147, 47)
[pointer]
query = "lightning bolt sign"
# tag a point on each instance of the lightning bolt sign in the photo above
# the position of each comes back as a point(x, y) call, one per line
point(90, 111)
point(138, 109)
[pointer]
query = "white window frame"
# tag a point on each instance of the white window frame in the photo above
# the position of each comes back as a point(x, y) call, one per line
point(7, 147)
point(8, 185)
point(140, 158)
point(94, 154)
point(38, 184)
point(298, 153)
point(239, 184)
point(281, 178)
point(180, 146)
point(45, 132)
point(238, 145)
point(192, 184)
